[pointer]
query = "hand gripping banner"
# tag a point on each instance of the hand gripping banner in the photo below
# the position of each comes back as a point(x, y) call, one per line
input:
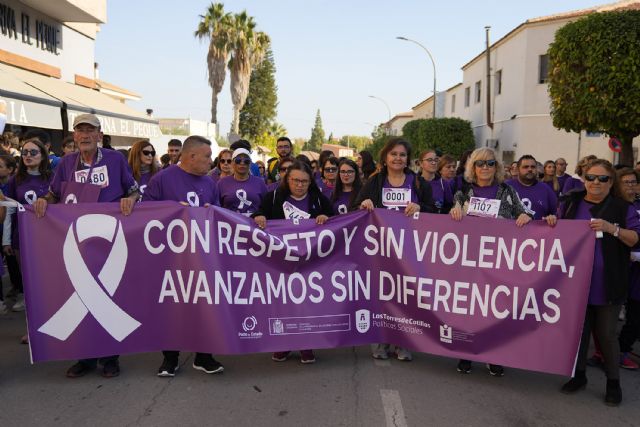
point(207, 279)
point(89, 295)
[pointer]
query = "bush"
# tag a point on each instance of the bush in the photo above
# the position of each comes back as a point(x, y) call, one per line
point(450, 135)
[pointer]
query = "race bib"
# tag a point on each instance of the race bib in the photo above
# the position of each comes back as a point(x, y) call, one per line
point(487, 208)
point(396, 197)
point(292, 212)
point(99, 176)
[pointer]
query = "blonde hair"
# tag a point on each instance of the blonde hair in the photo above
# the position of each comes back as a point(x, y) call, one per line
point(483, 153)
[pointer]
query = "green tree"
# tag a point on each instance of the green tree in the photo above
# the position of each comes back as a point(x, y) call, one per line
point(357, 142)
point(317, 135)
point(450, 135)
point(594, 64)
point(260, 109)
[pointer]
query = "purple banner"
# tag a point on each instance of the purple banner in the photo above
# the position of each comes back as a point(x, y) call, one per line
point(206, 279)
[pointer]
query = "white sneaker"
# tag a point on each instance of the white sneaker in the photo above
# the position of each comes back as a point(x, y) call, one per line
point(19, 305)
point(403, 354)
point(380, 351)
point(3, 308)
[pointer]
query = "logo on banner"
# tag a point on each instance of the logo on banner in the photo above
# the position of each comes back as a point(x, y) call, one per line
point(277, 327)
point(249, 323)
point(89, 294)
point(363, 320)
point(446, 334)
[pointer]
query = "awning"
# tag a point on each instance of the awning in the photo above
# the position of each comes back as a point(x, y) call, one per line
point(27, 106)
point(117, 119)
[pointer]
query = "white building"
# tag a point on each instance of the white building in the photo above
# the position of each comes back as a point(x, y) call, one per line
point(395, 125)
point(181, 129)
point(48, 71)
point(519, 102)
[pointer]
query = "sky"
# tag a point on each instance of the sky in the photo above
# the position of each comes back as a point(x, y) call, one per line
point(330, 55)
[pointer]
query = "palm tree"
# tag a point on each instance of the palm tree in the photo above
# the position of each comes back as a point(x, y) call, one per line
point(248, 49)
point(215, 25)
point(277, 130)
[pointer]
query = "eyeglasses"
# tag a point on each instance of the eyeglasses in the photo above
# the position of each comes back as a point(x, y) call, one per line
point(602, 178)
point(283, 168)
point(483, 163)
point(281, 147)
point(149, 153)
point(242, 161)
point(347, 172)
point(331, 170)
point(32, 152)
point(432, 160)
point(630, 183)
point(300, 182)
point(225, 161)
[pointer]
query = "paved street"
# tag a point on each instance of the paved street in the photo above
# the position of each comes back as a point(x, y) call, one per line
point(346, 387)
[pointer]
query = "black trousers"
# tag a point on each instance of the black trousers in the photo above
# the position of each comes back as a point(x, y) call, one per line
point(173, 355)
point(602, 319)
point(631, 329)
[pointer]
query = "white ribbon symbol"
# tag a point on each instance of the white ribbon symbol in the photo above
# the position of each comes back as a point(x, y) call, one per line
point(142, 188)
point(242, 196)
point(71, 198)
point(30, 196)
point(342, 209)
point(89, 297)
point(193, 199)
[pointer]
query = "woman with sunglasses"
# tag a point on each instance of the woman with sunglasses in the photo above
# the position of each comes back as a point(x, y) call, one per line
point(616, 224)
point(241, 192)
point(440, 188)
point(348, 186)
point(573, 183)
point(283, 165)
point(483, 177)
point(224, 166)
point(395, 186)
point(329, 175)
point(297, 197)
point(142, 161)
point(30, 182)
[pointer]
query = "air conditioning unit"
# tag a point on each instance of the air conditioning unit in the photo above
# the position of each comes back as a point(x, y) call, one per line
point(492, 143)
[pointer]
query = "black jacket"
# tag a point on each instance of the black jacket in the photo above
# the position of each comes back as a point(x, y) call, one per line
point(271, 206)
point(373, 190)
point(615, 253)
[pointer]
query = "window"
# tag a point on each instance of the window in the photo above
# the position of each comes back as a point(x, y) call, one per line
point(498, 82)
point(453, 103)
point(477, 92)
point(467, 96)
point(543, 68)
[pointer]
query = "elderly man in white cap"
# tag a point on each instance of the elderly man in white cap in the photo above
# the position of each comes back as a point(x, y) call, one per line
point(241, 192)
point(91, 175)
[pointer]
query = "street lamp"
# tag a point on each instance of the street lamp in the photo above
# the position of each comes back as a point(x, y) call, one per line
point(434, 69)
point(386, 105)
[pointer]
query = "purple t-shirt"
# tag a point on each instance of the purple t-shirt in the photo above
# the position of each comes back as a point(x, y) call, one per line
point(144, 181)
point(325, 189)
point(539, 199)
point(489, 192)
point(341, 205)
point(634, 283)
point(550, 185)
point(241, 196)
point(32, 187)
point(562, 180)
point(597, 291)
point(111, 172)
point(398, 197)
point(441, 192)
point(272, 186)
point(176, 184)
point(572, 183)
point(296, 208)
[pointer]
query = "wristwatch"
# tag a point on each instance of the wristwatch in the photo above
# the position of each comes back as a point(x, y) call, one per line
point(617, 232)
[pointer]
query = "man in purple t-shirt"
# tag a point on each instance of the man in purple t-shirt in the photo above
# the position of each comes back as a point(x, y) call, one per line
point(188, 184)
point(537, 197)
point(107, 170)
point(561, 171)
point(241, 192)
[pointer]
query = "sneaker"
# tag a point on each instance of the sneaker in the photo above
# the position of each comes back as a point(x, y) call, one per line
point(3, 308)
point(208, 365)
point(596, 360)
point(19, 305)
point(280, 356)
point(627, 363)
point(79, 370)
point(403, 354)
point(574, 385)
point(307, 357)
point(464, 366)
point(168, 368)
point(111, 369)
point(380, 351)
point(495, 370)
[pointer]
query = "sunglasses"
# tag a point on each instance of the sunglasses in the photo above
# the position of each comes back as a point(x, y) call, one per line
point(602, 178)
point(148, 153)
point(483, 163)
point(331, 170)
point(225, 161)
point(32, 152)
point(241, 161)
point(283, 169)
